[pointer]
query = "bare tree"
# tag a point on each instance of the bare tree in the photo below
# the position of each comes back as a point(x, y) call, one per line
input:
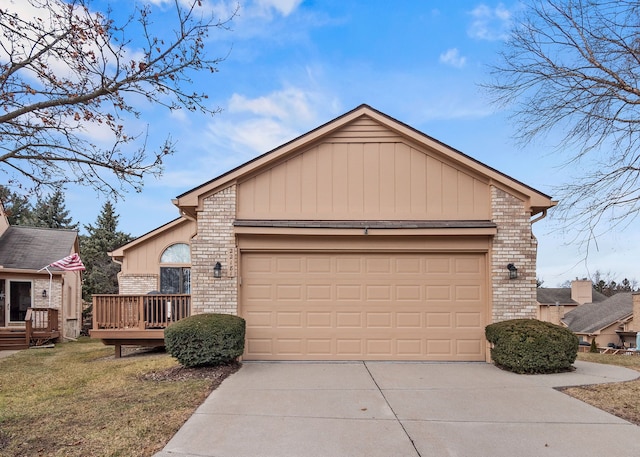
point(572, 68)
point(67, 71)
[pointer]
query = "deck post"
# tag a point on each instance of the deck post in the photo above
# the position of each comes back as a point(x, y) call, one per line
point(141, 322)
point(118, 351)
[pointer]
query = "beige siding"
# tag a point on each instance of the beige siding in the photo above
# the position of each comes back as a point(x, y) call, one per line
point(144, 258)
point(360, 180)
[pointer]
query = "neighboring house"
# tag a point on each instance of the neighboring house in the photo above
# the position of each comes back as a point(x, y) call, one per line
point(24, 251)
point(555, 303)
point(610, 321)
point(363, 239)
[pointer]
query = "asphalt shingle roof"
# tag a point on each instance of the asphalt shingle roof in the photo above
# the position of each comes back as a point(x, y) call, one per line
point(31, 248)
point(562, 295)
point(591, 317)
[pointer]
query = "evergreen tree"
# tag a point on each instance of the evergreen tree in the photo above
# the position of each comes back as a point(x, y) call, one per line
point(101, 275)
point(16, 206)
point(51, 212)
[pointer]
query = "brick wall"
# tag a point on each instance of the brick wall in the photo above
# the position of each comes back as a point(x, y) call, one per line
point(514, 243)
point(215, 242)
point(137, 283)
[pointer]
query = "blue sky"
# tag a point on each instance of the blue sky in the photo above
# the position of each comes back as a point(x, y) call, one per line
point(292, 65)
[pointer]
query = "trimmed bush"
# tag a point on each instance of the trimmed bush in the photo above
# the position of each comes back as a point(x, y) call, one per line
point(593, 347)
point(206, 339)
point(532, 346)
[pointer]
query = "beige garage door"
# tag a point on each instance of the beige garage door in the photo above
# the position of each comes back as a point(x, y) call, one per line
point(364, 306)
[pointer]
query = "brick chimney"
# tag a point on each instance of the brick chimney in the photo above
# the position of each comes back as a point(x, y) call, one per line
point(581, 291)
point(635, 323)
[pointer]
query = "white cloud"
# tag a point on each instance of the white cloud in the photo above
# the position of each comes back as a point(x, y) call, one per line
point(490, 23)
point(284, 7)
point(452, 57)
point(253, 126)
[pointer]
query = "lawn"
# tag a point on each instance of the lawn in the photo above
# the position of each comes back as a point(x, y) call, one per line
point(620, 399)
point(78, 400)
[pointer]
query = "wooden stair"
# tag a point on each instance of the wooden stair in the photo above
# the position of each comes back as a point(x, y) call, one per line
point(13, 339)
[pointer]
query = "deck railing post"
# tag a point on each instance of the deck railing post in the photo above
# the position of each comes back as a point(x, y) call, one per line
point(141, 320)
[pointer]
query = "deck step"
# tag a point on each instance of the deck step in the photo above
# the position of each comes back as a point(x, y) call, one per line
point(13, 339)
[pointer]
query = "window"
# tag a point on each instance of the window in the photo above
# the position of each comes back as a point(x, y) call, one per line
point(176, 253)
point(175, 278)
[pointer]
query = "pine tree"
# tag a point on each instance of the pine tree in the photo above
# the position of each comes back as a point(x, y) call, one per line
point(16, 206)
point(51, 212)
point(101, 275)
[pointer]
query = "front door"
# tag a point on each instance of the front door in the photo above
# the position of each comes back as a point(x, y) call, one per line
point(19, 300)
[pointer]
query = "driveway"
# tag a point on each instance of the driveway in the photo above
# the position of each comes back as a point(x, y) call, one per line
point(385, 409)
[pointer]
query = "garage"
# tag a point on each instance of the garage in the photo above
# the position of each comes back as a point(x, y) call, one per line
point(364, 239)
point(364, 305)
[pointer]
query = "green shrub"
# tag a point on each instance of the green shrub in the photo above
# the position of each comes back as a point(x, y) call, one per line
point(206, 339)
point(594, 347)
point(532, 346)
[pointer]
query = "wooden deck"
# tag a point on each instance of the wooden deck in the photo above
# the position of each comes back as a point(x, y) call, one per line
point(40, 328)
point(136, 320)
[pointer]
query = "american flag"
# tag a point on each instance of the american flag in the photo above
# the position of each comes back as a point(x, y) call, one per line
point(70, 263)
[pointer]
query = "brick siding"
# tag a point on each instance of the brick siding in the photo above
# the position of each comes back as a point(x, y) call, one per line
point(132, 284)
point(514, 243)
point(215, 242)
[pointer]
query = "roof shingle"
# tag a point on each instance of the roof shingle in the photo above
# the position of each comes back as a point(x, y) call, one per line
point(32, 248)
point(591, 317)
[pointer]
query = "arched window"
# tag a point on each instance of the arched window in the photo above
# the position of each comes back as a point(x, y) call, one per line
point(175, 269)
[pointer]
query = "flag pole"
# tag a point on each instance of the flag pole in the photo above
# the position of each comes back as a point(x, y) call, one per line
point(50, 282)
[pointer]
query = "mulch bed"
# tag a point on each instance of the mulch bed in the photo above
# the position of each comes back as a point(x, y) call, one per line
point(215, 374)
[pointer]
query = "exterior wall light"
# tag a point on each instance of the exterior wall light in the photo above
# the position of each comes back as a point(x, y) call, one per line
point(44, 293)
point(513, 271)
point(217, 270)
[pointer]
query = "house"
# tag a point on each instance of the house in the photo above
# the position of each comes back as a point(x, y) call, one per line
point(613, 321)
point(32, 296)
point(555, 303)
point(362, 239)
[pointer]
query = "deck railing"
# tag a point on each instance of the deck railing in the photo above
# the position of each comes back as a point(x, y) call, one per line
point(41, 323)
point(139, 312)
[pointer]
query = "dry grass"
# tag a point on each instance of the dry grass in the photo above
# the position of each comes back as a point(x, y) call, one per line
point(78, 400)
point(620, 399)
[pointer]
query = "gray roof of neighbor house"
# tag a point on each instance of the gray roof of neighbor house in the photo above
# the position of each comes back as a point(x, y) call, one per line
point(591, 317)
point(31, 248)
point(562, 295)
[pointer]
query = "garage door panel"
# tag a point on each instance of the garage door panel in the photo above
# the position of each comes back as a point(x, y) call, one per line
point(379, 320)
point(289, 319)
point(378, 292)
point(438, 320)
point(438, 292)
point(306, 306)
point(468, 293)
point(320, 319)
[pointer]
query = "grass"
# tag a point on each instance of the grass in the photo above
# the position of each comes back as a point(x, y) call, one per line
point(619, 399)
point(78, 400)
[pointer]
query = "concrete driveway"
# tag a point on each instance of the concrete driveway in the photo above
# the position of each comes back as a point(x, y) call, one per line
point(384, 409)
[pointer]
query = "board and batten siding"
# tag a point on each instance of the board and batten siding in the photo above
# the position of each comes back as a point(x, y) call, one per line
point(364, 180)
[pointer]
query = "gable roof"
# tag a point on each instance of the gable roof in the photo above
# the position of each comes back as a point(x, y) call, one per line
point(32, 248)
point(562, 295)
point(191, 200)
point(118, 253)
point(592, 317)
